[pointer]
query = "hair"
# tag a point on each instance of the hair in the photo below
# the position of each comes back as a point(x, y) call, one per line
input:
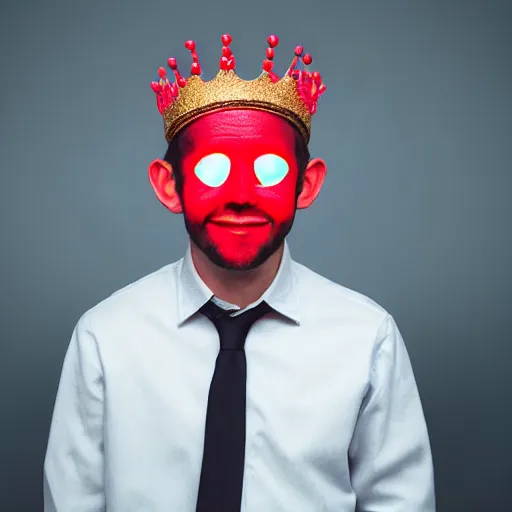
point(180, 144)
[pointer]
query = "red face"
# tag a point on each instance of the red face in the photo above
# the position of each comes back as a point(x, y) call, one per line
point(240, 181)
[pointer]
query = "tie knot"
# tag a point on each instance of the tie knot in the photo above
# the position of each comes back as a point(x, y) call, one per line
point(233, 330)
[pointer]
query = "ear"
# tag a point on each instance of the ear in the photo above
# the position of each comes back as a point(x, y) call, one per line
point(163, 181)
point(314, 176)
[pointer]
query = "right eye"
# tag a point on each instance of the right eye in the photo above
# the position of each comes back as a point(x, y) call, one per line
point(213, 170)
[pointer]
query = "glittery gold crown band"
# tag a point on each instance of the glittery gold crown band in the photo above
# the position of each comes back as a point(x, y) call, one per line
point(294, 96)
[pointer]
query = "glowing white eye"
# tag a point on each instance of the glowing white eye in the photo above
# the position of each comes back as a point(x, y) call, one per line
point(213, 170)
point(270, 169)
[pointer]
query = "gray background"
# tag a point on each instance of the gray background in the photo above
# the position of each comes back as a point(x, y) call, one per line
point(416, 130)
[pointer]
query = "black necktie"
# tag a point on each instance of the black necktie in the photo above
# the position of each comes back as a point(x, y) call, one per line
point(220, 485)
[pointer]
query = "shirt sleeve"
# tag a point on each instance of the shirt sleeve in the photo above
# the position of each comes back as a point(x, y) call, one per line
point(390, 456)
point(73, 466)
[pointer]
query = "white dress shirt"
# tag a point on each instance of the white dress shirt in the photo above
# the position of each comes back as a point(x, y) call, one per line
point(333, 411)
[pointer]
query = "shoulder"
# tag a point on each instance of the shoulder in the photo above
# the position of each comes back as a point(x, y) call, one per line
point(135, 301)
point(335, 302)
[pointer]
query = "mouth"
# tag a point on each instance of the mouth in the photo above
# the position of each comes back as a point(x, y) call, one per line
point(239, 222)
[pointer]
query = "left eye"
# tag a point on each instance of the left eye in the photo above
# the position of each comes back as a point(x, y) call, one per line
point(213, 170)
point(270, 169)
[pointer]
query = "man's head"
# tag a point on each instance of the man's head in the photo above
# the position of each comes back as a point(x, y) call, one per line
point(238, 177)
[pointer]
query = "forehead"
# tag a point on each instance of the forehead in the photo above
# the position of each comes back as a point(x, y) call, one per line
point(240, 127)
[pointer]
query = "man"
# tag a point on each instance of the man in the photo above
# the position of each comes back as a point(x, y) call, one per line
point(237, 379)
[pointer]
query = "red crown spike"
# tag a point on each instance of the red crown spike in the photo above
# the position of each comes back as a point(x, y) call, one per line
point(195, 68)
point(171, 61)
point(163, 91)
point(157, 89)
point(291, 70)
point(309, 84)
point(227, 61)
point(268, 63)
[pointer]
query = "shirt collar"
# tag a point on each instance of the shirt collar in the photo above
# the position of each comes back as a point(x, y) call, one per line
point(192, 291)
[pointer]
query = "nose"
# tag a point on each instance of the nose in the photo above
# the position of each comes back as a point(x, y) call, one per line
point(242, 183)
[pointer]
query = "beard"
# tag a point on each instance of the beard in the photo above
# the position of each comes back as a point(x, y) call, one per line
point(199, 236)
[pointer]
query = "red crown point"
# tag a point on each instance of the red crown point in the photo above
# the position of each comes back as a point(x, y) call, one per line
point(171, 61)
point(190, 45)
point(299, 50)
point(161, 72)
point(316, 76)
point(181, 81)
point(273, 40)
point(270, 53)
point(307, 59)
point(226, 39)
point(195, 68)
point(226, 51)
point(155, 86)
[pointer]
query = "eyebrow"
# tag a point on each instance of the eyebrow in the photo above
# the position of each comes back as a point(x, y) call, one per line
point(186, 142)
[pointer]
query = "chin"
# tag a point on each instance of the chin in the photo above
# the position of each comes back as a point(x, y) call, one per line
point(237, 259)
point(240, 261)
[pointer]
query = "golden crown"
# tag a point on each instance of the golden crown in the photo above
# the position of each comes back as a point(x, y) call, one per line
point(294, 96)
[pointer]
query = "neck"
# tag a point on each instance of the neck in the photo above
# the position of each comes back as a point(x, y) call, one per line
point(236, 287)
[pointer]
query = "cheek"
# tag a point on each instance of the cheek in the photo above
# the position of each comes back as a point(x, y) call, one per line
point(199, 199)
point(280, 200)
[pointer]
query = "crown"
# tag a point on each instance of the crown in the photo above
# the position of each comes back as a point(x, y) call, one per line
point(293, 96)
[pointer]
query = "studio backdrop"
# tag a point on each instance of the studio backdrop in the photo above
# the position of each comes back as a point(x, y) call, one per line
point(415, 128)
